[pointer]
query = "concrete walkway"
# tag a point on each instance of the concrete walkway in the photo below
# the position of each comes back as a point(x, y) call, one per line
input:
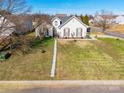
point(53, 68)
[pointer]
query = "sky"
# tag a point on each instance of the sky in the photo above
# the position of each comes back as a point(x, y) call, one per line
point(76, 6)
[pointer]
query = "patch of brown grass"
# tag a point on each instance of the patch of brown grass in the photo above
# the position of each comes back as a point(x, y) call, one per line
point(117, 28)
point(97, 33)
point(34, 65)
point(83, 44)
point(63, 42)
point(90, 60)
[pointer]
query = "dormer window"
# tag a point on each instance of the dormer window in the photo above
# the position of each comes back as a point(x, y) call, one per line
point(56, 23)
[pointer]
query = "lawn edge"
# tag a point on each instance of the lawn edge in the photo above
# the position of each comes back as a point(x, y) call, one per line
point(62, 82)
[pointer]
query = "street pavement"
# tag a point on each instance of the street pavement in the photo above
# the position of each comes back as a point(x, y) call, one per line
point(73, 89)
point(114, 34)
point(111, 33)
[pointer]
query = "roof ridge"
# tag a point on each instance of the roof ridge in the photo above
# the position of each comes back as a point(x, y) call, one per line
point(70, 19)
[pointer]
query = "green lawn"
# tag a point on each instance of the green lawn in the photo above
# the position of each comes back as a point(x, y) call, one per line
point(82, 60)
point(35, 65)
point(90, 60)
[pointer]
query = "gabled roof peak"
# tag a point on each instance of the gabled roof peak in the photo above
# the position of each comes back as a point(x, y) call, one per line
point(55, 18)
point(71, 17)
point(66, 19)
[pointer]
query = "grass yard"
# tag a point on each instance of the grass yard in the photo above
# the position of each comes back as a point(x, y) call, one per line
point(34, 65)
point(97, 33)
point(90, 60)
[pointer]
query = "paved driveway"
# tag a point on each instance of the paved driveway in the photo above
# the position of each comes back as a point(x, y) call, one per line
point(78, 89)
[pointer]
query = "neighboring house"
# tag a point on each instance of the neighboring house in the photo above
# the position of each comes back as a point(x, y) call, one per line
point(69, 27)
point(44, 29)
point(18, 24)
point(61, 15)
point(7, 32)
point(107, 18)
point(7, 27)
point(119, 20)
point(24, 25)
point(91, 21)
point(49, 32)
point(28, 24)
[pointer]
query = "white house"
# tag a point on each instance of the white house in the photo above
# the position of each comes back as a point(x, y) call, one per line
point(23, 24)
point(69, 27)
point(44, 29)
point(119, 20)
point(7, 27)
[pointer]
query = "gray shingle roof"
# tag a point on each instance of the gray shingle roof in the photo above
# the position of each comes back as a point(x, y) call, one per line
point(64, 19)
point(67, 18)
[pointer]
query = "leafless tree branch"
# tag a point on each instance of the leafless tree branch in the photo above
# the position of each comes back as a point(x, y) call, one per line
point(103, 19)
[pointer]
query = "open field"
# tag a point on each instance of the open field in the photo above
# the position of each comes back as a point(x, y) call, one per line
point(90, 60)
point(97, 33)
point(117, 28)
point(35, 65)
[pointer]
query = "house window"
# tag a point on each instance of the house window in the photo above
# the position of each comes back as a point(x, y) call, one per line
point(56, 23)
point(47, 32)
point(88, 29)
point(67, 32)
point(60, 22)
point(79, 32)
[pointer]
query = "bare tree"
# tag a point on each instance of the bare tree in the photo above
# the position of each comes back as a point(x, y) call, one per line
point(9, 8)
point(14, 6)
point(40, 18)
point(41, 22)
point(103, 19)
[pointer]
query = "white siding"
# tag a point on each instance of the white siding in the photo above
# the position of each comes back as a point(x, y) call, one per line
point(58, 22)
point(73, 25)
point(50, 32)
point(8, 27)
point(119, 20)
point(47, 32)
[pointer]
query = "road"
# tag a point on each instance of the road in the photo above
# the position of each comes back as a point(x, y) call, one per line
point(115, 34)
point(111, 33)
point(76, 89)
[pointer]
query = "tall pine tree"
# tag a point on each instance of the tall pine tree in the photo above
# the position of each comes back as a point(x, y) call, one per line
point(85, 19)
